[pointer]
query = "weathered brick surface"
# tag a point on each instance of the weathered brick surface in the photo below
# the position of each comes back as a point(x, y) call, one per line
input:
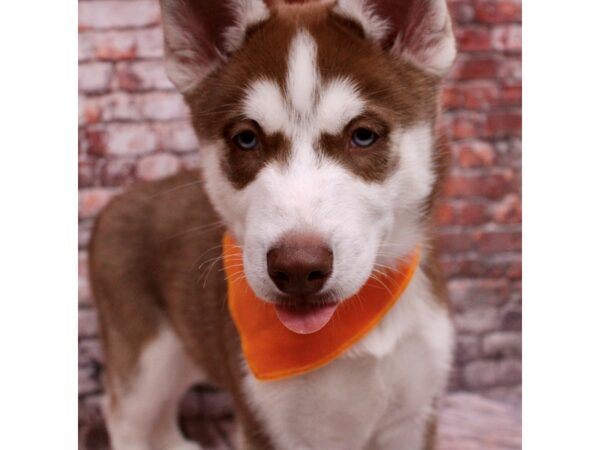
point(133, 126)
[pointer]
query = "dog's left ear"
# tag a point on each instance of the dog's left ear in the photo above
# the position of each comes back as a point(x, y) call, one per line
point(199, 34)
point(417, 30)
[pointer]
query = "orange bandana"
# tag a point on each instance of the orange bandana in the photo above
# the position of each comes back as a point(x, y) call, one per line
point(274, 352)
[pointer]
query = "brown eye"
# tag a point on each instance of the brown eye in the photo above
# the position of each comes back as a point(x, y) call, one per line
point(363, 137)
point(246, 140)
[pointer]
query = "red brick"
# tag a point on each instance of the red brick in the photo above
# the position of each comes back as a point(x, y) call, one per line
point(445, 214)
point(94, 141)
point(473, 154)
point(478, 320)
point(463, 128)
point(506, 38)
point(90, 113)
point(95, 77)
point(129, 80)
point(452, 97)
point(498, 266)
point(493, 185)
point(463, 124)
point(485, 242)
point(158, 166)
point(88, 323)
point(514, 271)
point(497, 242)
point(508, 210)
point(142, 76)
point(483, 292)
point(461, 11)
point(105, 45)
point(121, 45)
point(88, 382)
point(510, 69)
point(90, 352)
point(501, 344)
point(84, 233)
point(90, 413)
point(122, 106)
point(161, 106)
point(91, 201)
point(511, 95)
point(472, 95)
point(86, 173)
point(117, 106)
point(472, 214)
point(500, 124)
point(130, 139)
point(455, 242)
point(118, 14)
point(467, 348)
point(478, 68)
point(473, 38)
point(512, 320)
point(481, 95)
point(498, 11)
point(118, 172)
point(481, 374)
point(508, 152)
point(466, 214)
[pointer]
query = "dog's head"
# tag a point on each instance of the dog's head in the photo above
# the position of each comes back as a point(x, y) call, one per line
point(317, 128)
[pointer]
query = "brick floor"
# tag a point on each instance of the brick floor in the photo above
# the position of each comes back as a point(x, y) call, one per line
point(468, 422)
point(472, 422)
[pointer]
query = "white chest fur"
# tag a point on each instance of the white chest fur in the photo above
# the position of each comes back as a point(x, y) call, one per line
point(377, 395)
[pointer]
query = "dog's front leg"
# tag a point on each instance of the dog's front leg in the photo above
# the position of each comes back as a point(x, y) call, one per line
point(412, 433)
point(329, 408)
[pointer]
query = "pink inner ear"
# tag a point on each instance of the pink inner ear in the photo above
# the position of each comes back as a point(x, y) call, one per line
point(407, 18)
point(205, 22)
point(194, 37)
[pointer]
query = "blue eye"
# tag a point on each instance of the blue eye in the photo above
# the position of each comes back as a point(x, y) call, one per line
point(246, 140)
point(363, 137)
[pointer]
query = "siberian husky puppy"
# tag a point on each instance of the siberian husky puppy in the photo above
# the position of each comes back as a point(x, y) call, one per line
point(316, 124)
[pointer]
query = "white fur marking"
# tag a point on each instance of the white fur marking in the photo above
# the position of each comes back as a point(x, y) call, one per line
point(302, 77)
point(340, 102)
point(144, 416)
point(265, 104)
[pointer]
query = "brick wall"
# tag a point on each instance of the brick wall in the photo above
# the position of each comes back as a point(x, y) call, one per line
point(132, 126)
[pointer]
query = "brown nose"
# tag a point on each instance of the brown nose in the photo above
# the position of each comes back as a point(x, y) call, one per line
point(300, 264)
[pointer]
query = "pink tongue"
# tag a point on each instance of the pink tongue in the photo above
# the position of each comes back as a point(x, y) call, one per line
point(305, 320)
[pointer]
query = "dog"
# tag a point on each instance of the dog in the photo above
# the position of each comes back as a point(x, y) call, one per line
point(316, 124)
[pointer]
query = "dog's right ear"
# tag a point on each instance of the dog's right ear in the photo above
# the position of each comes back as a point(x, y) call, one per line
point(199, 34)
point(416, 30)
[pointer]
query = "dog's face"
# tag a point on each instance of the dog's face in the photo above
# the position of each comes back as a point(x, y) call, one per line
point(316, 125)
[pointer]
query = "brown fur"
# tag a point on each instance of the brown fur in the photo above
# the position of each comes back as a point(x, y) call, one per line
point(145, 253)
point(373, 163)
